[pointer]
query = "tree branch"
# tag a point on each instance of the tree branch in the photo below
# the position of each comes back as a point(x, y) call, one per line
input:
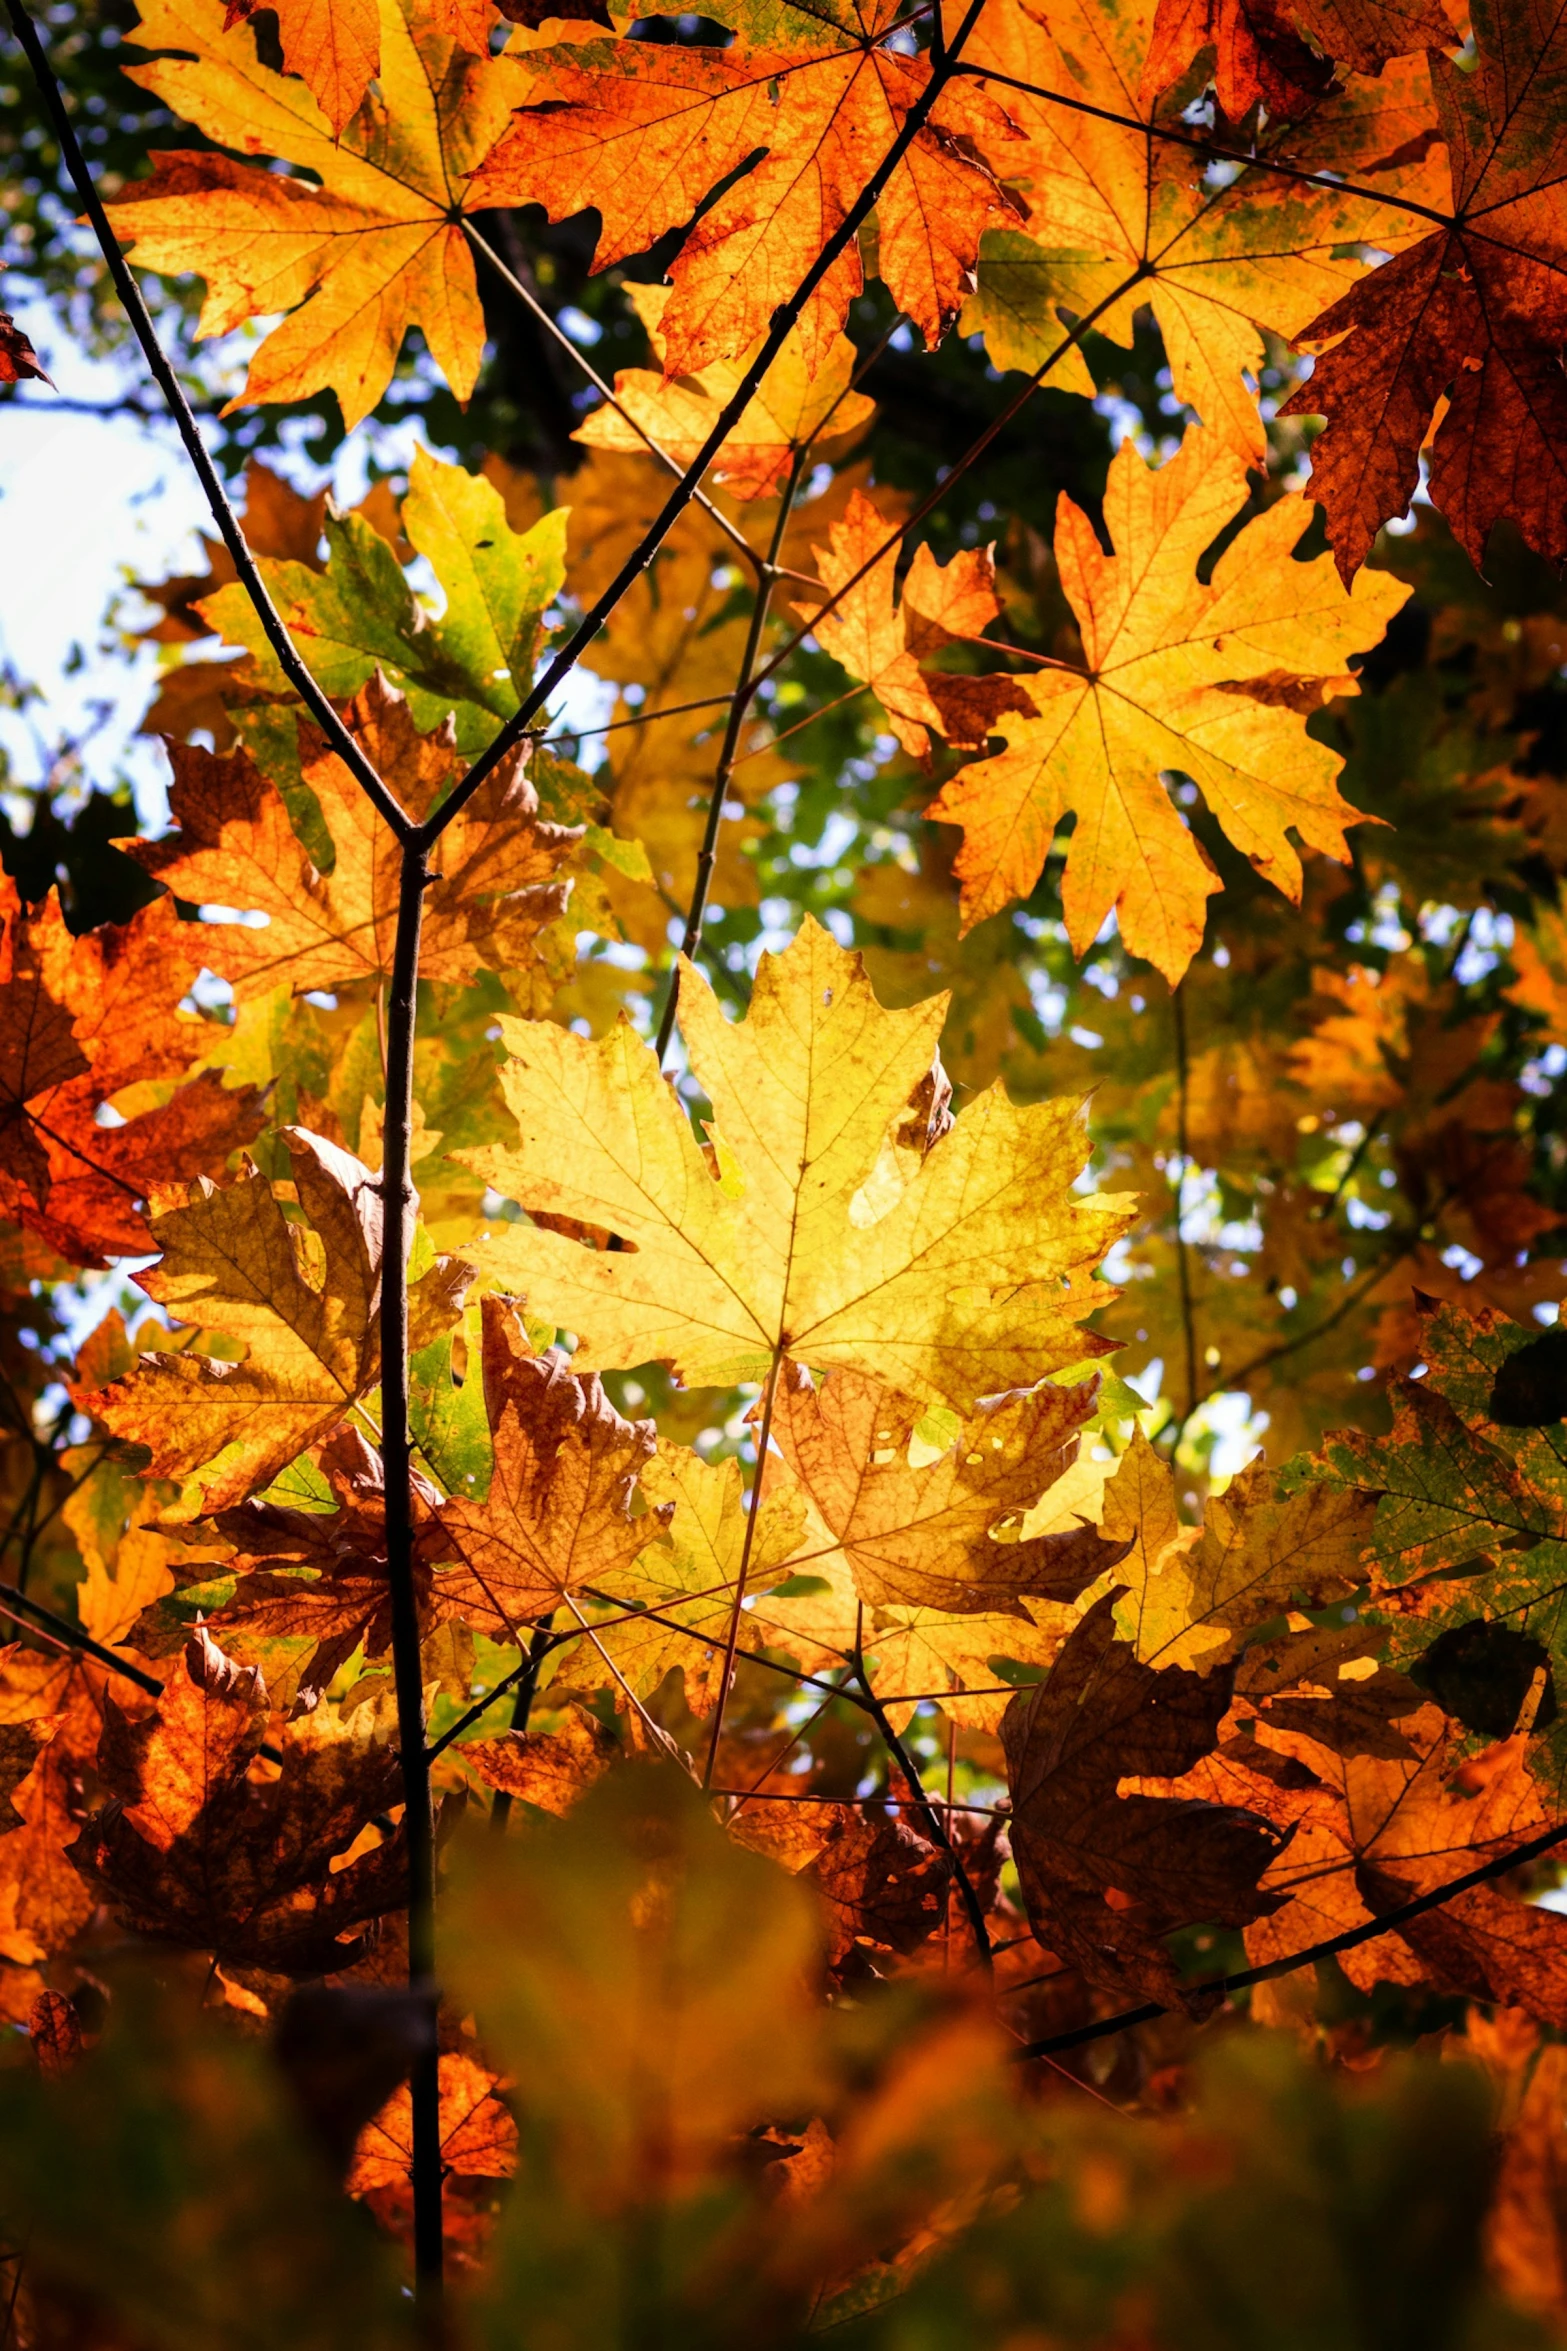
point(552, 325)
point(1349, 1940)
point(399, 1208)
point(935, 1827)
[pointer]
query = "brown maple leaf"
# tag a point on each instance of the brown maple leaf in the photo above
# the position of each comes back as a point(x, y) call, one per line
point(1474, 314)
point(880, 1882)
point(1283, 52)
point(926, 1536)
point(558, 1513)
point(329, 1583)
point(236, 847)
point(196, 1850)
point(301, 1296)
point(81, 1021)
point(1106, 1876)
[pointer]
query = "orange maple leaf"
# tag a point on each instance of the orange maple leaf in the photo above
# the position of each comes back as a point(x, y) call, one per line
point(82, 1021)
point(558, 1513)
point(368, 247)
point(643, 132)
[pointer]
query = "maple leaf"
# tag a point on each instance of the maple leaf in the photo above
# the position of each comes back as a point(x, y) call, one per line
point(1474, 315)
point(1214, 682)
point(643, 131)
point(478, 2136)
point(18, 359)
point(237, 847)
point(1194, 1593)
point(552, 1769)
point(369, 247)
point(1119, 217)
point(329, 1586)
point(1283, 51)
point(333, 45)
point(43, 1902)
point(1379, 1819)
point(1469, 1546)
point(970, 1665)
point(1107, 1876)
point(558, 1513)
point(793, 408)
point(673, 1606)
point(828, 1231)
point(880, 1882)
point(924, 1536)
point(194, 1851)
point(870, 639)
point(85, 1020)
point(358, 612)
point(639, 1945)
point(302, 1300)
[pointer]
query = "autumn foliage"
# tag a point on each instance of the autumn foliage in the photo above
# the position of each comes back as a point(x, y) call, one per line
point(957, 1474)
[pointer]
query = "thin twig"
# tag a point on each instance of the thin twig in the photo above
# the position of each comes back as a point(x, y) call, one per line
point(739, 704)
point(282, 644)
point(934, 1828)
point(783, 320)
point(976, 449)
point(753, 1516)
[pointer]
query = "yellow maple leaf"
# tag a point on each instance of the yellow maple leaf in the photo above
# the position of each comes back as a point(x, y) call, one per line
point(834, 1230)
point(370, 246)
point(1191, 1592)
point(1214, 682)
point(685, 1587)
point(790, 408)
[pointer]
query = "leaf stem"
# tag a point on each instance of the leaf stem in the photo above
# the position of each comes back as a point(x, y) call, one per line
point(739, 703)
point(764, 1435)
